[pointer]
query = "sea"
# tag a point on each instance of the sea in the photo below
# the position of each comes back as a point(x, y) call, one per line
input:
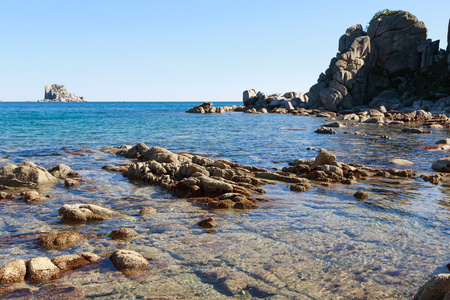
point(318, 244)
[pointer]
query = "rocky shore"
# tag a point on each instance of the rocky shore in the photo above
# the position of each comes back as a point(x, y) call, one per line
point(215, 184)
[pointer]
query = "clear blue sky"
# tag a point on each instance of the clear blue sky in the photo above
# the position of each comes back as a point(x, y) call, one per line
point(180, 50)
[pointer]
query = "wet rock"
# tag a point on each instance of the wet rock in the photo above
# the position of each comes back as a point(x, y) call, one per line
point(61, 240)
point(128, 261)
point(147, 210)
point(4, 195)
point(415, 130)
point(300, 187)
point(207, 223)
point(401, 162)
point(25, 174)
point(325, 130)
point(63, 171)
point(85, 213)
point(434, 178)
point(334, 125)
point(123, 234)
point(236, 282)
point(13, 272)
point(69, 182)
point(33, 196)
point(121, 150)
point(442, 165)
point(445, 141)
point(41, 270)
point(361, 195)
point(325, 157)
point(75, 261)
point(438, 287)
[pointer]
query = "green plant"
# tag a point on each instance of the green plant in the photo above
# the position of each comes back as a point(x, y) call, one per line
point(386, 12)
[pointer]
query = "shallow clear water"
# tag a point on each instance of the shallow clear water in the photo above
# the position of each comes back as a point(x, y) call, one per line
point(320, 244)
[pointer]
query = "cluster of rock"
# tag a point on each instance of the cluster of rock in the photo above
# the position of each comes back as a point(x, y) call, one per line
point(58, 93)
point(28, 174)
point(369, 69)
point(207, 108)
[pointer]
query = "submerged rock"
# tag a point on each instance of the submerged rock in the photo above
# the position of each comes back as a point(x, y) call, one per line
point(325, 130)
point(361, 195)
point(33, 196)
point(147, 210)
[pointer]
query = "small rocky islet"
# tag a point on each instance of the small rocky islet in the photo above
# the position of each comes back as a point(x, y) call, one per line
point(222, 184)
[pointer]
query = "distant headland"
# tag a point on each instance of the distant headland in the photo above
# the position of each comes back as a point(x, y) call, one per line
point(58, 93)
point(390, 64)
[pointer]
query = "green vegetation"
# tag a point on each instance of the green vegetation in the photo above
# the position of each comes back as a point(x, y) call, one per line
point(387, 12)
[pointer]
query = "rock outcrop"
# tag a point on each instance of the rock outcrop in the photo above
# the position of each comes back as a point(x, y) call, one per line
point(58, 93)
point(25, 174)
point(391, 64)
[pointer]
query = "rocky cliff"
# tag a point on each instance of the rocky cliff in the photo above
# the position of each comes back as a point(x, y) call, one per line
point(391, 64)
point(58, 93)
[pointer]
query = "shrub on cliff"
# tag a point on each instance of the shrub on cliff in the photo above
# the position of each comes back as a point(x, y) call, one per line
point(386, 12)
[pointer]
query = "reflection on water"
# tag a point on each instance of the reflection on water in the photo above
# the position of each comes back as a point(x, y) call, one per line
point(320, 244)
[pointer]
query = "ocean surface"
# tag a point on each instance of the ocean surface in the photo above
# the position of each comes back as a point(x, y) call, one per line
point(319, 244)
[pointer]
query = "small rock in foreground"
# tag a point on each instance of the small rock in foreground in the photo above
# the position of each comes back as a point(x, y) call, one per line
point(438, 287)
point(13, 272)
point(41, 269)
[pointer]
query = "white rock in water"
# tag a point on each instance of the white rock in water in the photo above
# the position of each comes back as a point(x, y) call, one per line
point(58, 93)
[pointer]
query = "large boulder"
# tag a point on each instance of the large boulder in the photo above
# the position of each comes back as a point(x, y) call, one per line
point(25, 174)
point(248, 97)
point(41, 269)
point(325, 157)
point(128, 261)
point(61, 240)
point(13, 272)
point(85, 213)
point(437, 288)
point(58, 93)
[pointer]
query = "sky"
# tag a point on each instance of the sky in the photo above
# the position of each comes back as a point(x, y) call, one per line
point(171, 50)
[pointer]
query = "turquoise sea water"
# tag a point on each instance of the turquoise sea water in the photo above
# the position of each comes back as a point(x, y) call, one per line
point(321, 244)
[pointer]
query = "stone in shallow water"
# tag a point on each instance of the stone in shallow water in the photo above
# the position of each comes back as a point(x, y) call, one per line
point(75, 261)
point(13, 272)
point(361, 195)
point(207, 223)
point(128, 261)
point(41, 269)
point(147, 210)
point(85, 213)
point(61, 240)
point(123, 234)
point(442, 165)
point(25, 174)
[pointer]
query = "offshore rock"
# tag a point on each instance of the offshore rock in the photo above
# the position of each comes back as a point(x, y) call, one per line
point(25, 174)
point(63, 171)
point(58, 93)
